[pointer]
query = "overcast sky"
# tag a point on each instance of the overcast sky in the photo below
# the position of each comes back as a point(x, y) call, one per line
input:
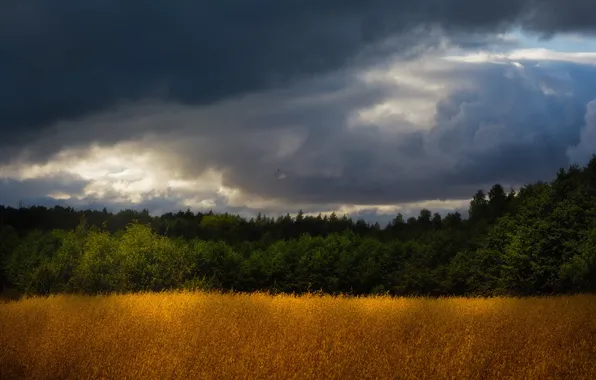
point(362, 107)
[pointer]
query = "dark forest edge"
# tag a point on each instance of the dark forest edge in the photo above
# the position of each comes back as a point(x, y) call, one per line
point(539, 240)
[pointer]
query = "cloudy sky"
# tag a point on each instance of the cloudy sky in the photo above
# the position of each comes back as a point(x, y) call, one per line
point(362, 107)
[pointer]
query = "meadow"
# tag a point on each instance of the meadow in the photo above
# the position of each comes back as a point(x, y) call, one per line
point(203, 335)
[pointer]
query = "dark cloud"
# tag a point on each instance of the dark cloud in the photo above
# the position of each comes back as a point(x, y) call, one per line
point(583, 151)
point(63, 60)
point(38, 191)
point(492, 123)
point(516, 125)
point(552, 16)
point(254, 89)
point(504, 124)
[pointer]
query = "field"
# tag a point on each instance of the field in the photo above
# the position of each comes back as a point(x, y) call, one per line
point(215, 336)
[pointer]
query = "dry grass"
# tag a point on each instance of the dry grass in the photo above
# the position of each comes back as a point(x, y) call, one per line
point(198, 335)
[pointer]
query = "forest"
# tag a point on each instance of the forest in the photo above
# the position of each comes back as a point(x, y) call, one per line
point(539, 239)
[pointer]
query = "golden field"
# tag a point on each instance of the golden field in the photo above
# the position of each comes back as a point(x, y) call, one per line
point(258, 336)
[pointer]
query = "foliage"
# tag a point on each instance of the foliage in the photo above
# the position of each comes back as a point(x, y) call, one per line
point(538, 240)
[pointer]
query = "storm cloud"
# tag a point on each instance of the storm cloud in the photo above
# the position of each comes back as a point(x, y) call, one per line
point(280, 105)
point(39, 191)
point(63, 60)
point(489, 123)
point(447, 130)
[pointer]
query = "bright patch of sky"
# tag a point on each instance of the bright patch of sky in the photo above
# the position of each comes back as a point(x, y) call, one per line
point(569, 42)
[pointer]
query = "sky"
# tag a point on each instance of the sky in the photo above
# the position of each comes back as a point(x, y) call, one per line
point(274, 106)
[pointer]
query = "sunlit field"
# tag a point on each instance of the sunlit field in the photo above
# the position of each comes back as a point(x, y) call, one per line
point(258, 336)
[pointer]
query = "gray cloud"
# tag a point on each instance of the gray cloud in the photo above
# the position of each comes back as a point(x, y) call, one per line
point(499, 124)
point(516, 125)
point(38, 191)
point(493, 123)
point(255, 89)
point(583, 151)
point(69, 59)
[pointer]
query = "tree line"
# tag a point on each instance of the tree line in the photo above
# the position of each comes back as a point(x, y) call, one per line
point(540, 239)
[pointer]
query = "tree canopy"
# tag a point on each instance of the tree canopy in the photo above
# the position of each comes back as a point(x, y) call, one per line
point(540, 239)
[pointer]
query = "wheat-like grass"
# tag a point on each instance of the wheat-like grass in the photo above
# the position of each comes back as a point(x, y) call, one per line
point(213, 336)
